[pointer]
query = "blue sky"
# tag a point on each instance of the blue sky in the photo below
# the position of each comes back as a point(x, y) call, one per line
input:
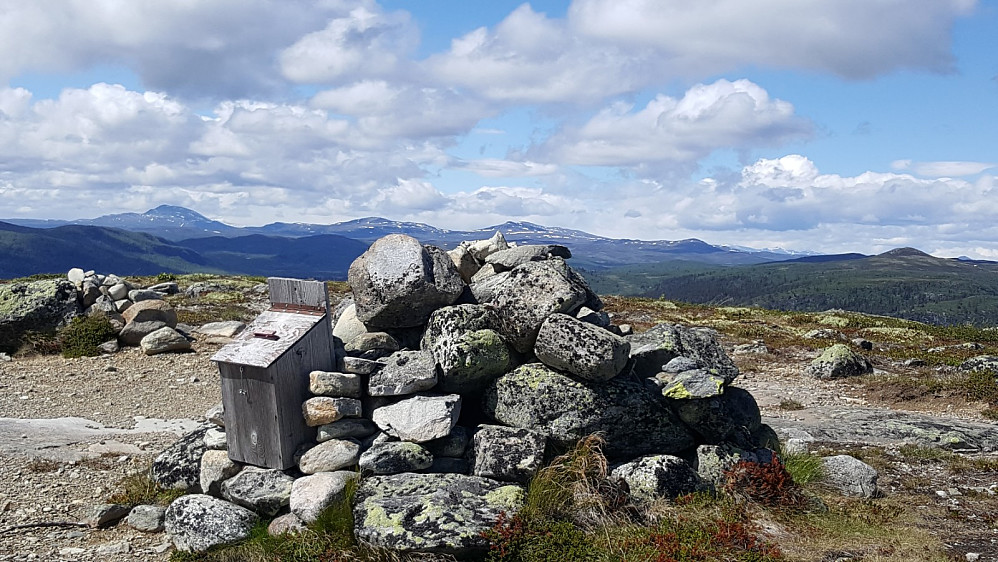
point(832, 126)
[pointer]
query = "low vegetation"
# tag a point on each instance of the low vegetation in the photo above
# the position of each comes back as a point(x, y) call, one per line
point(84, 334)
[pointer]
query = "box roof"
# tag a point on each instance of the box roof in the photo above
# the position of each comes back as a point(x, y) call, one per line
point(279, 331)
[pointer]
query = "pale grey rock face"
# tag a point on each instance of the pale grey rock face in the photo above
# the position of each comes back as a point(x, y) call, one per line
point(348, 326)
point(838, 361)
point(215, 440)
point(166, 288)
point(394, 457)
point(360, 366)
point(330, 456)
point(504, 260)
point(164, 340)
point(216, 415)
point(850, 476)
point(658, 476)
point(732, 416)
point(320, 410)
point(147, 518)
point(466, 264)
point(482, 249)
point(485, 282)
point(529, 294)
point(139, 295)
point(76, 276)
point(466, 346)
point(312, 494)
point(404, 373)
point(584, 350)
point(398, 282)
point(372, 345)
point(216, 467)
point(118, 291)
point(151, 311)
point(596, 318)
point(263, 490)
point(178, 467)
point(654, 349)
point(508, 453)
point(198, 522)
point(106, 514)
point(420, 418)
point(346, 428)
point(633, 420)
point(342, 385)
point(445, 513)
point(287, 524)
point(227, 329)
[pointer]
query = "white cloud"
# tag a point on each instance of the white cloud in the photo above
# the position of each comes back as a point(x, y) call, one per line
point(850, 38)
point(943, 168)
point(723, 114)
point(495, 168)
point(363, 43)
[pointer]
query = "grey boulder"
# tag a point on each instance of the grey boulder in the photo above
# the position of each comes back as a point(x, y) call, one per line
point(398, 282)
point(198, 522)
point(654, 349)
point(34, 306)
point(633, 420)
point(850, 476)
point(394, 457)
point(146, 518)
point(732, 416)
point(442, 513)
point(216, 467)
point(330, 456)
point(325, 383)
point(404, 373)
point(838, 361)
point(178, 467)
point(263, 490)
point(164, 340)
point(504, 260)
point(584, 350)
point(420, 418)
point(508, 453)
point(658, 476)
point(311, 495)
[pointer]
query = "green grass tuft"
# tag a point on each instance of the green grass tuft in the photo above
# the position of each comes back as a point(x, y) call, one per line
point(82, 336)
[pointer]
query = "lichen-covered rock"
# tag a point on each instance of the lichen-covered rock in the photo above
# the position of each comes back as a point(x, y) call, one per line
point(529, 294)
point(714, 460)
point(164, 340)
point(330, 456)
point(732, 416)
point(838, 361)
point(178, 467)
point(394, 457)
point(655, 348)
point(320, 410)
point(287, 524)
point(658, 476)
point(340, 385)
point(445, 513)
point(216, 467)
point(398, 282)
point(850, 476)
point(695, 383)
point(633, 420)
point(404, 373)
point(420, 418)
point(981, 363)
point(264, 490)
point(312, 494)
point(198, 522)
point(584, 350)
point(466, 347)
point(508, 453)
point(35, 306)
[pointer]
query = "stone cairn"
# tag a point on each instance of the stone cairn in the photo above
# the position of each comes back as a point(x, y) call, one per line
point(140, 316)
point(461, 373)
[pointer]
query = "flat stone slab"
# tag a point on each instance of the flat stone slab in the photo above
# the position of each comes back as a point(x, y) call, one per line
point(54, 438)
point(880, 426)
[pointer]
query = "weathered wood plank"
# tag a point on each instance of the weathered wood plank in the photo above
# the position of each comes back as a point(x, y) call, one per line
point(251, 426)
point(297, 291)
point(249, 349)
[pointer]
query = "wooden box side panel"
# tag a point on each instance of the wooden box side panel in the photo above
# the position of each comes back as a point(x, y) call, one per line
point(251, 418)
point(298, 292)
point(313, 352)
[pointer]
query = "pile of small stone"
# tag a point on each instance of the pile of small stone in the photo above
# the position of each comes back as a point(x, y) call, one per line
point(140, 315)
point(460, 373)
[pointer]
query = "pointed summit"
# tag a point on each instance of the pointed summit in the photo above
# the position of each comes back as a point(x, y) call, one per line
point(905, 252)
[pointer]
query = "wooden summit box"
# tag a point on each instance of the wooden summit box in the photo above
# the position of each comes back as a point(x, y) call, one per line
point(265, 370)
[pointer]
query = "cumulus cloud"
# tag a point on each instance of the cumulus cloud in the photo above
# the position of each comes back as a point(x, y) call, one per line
point(495, 168)
point(849, 38)
point(723, 114)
